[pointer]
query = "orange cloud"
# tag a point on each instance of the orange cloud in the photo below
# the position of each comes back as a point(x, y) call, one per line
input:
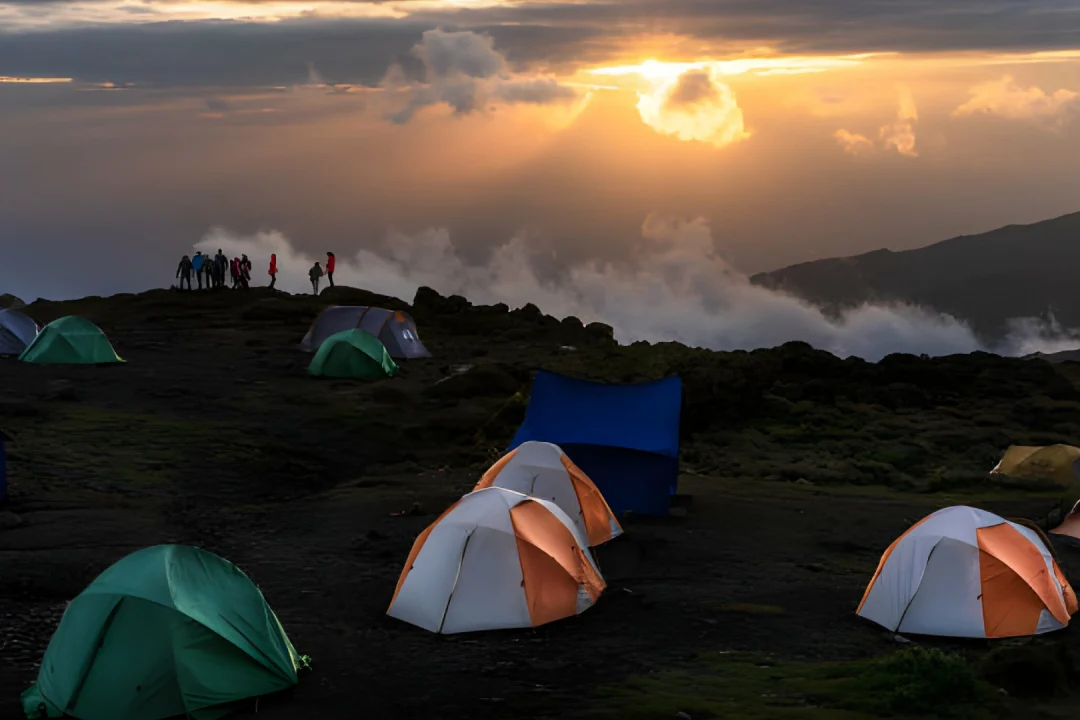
point(694, 106)
point(854, 143)
point(1005, 98)
point(898, 135)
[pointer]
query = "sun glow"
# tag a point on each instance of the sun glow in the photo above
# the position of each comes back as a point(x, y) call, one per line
point(657, 70)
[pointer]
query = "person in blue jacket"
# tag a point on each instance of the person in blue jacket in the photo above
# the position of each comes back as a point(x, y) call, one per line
point(197, 265)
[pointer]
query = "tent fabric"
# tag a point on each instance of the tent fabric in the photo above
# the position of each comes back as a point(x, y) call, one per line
point(17, 330)
point(624, 437)
point(71, 340)
point(395, 328)
point(1055, 464)
point(543, 470)
point(496, 559)
point(353, 354)
point(168, 630)
point(964, 572)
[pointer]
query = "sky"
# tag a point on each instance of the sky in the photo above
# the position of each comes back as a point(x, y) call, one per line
point(578, 145)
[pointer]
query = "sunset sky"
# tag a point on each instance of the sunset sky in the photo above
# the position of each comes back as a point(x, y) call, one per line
point(785, 130)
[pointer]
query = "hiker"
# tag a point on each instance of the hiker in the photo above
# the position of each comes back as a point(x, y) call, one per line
point(245, 271)
point(220, 261)
point(330, 268)
point(315, 273)
point(197, 265)
point(234, 272)
point(183, 271)
point(273, 269)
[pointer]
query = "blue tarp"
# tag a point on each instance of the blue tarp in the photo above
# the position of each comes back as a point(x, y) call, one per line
point(624, 437)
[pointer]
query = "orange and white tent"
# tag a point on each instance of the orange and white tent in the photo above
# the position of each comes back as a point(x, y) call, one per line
point(496, 559)
point(964, 572)
point(543, 470)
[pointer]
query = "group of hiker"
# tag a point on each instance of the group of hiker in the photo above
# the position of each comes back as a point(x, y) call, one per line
point(212, 269)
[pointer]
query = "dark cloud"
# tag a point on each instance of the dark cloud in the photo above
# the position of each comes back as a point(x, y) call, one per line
point(550, 34)
point(693, 88)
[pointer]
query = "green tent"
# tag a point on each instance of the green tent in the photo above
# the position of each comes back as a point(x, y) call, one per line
point(71, 340)
point(353, 354)
point(168, 630)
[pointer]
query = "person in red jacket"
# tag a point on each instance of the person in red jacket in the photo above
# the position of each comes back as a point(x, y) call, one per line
point(273, 269)
point(330, 268)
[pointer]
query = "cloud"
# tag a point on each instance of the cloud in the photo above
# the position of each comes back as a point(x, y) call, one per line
point(695, 105)
point(674, 286)
point(898, 135)
point(854, 143)
point(1007, 99)
point(466, 72)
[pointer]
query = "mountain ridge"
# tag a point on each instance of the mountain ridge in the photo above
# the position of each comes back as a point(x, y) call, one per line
point(985, 279)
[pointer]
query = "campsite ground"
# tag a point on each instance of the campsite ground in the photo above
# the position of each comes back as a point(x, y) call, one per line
point(801, 469)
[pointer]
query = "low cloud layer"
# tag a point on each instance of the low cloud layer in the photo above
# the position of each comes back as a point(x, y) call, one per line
point(1008, 99)
point(676, 286)
point(464, 71)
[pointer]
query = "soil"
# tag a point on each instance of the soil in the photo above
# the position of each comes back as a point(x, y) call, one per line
point(212, 434)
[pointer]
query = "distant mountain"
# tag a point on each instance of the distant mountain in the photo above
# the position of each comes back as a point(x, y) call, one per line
point(1056, 357)
point(1014, 271)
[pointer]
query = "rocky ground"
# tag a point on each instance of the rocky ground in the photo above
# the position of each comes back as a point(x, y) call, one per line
point(800, 469)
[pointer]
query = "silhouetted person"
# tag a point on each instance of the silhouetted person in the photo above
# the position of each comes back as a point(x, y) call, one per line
point(245, 271)
point(197, 264)
point(234, 272)
point(273, 269)
point(220, 262)
point(315, 273)
point(183, 271)
point(330, 268)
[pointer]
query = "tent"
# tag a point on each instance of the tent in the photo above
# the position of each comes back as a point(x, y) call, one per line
point(964, 572)
point(1054, 464)
point(71, 340)
point(165, 631)
point(353, 354)
point(543, 470)
point(624, 437)
point(394, 328)
point(16, 332)
point(496, 559)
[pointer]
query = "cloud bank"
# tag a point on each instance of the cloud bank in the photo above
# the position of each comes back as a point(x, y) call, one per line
point(676, 286)
point(1007, 99)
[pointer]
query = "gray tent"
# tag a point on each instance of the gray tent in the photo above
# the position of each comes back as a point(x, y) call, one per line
point(16, 332)
point(394, 328)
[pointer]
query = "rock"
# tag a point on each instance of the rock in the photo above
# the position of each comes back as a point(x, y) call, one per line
point(600, 331)
point(528, 312)
point(900, 639)
point(803, 481)
point(9, 520)
point(10, 302)
point(572, 323)
point(683, 716)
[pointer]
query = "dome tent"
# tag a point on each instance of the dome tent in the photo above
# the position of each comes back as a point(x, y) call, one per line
point(1056, 465)
point(543, 470)
point(16, 332)
point(168, 630)
point(71, 340)
point(496, 559)
point(353, 354)
point(964, 572)
point(395, 329)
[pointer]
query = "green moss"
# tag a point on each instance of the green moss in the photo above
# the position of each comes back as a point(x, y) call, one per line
point(910, 682)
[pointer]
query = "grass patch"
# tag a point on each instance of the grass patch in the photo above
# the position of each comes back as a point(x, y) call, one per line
point(910, 682)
